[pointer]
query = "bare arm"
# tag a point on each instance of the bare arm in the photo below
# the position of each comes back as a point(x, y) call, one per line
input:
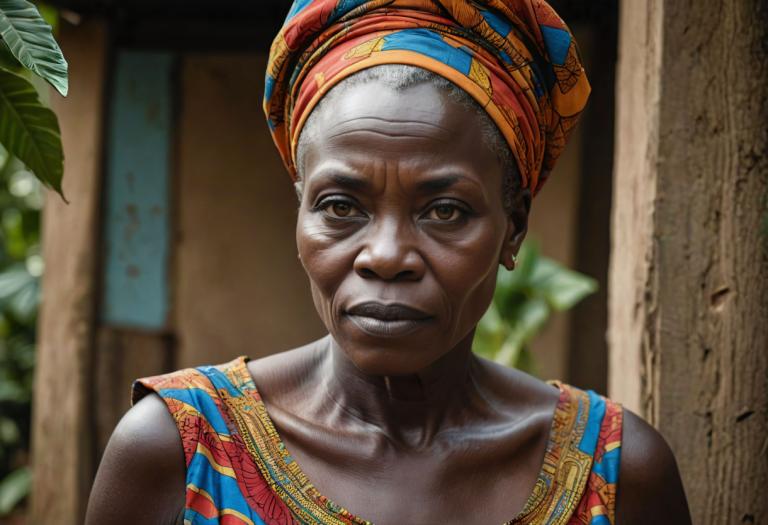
point(142, 474)
point(650, 488)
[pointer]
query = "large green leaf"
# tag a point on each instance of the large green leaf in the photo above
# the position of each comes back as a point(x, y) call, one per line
point(14, 488)
point(29, 130)
point(531, 317)
point(523, 302)
point(31, 41)
point(561, 287)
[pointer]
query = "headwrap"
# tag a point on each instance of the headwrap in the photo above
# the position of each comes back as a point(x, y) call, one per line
point(516, 58)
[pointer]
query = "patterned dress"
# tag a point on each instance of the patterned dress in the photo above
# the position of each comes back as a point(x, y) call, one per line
point(239, 471)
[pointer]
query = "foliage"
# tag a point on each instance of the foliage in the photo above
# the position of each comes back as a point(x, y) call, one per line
point(28, 130)
point(30, 147)
point(523, 301)
point(20, 270)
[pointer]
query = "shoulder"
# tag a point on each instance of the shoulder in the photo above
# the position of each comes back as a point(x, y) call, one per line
point(521, 391)
point(649, 480)
point(285, 375)
point(142, 472)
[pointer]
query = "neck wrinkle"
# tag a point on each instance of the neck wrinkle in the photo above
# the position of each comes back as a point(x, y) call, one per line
point(409, 410)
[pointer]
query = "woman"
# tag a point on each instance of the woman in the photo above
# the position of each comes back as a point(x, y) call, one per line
point(416, 132)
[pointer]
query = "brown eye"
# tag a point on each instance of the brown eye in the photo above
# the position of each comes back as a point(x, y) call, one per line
point(341, 209)
point(444, 212)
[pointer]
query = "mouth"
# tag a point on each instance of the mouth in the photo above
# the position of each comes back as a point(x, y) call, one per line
point(387, 320)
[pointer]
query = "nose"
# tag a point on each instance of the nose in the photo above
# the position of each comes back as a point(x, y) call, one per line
point(390, 254)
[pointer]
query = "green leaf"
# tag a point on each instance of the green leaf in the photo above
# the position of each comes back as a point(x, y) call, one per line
point(29, 130)
point(9, 431)
point(561, 287)
point(490, 333)
point(530, 318)
point(14, 488)
point(19, 291)
point(13, 393)
point(8, 61)
point(12, 282)
point(24, 303)
point(31, 41)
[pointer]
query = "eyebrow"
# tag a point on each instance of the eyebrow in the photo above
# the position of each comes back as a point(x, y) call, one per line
point(438, 183)
point(346, 181)
point(431, 185)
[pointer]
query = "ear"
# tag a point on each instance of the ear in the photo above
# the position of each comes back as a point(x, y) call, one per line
point(517, 228)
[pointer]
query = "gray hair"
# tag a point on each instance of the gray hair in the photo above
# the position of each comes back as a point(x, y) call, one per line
point(401, 77)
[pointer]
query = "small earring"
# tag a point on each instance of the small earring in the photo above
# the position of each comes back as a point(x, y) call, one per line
point(511, 265)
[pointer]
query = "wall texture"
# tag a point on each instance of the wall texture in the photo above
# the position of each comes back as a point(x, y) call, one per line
point(689, 269)
point(238, 285)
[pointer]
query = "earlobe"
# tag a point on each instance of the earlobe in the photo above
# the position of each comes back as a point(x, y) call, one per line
point(512, 241)
point(509, 262)
point(517, 228)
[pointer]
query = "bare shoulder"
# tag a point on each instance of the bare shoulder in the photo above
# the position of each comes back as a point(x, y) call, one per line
point(141, 475)
point(649, 480)
point(520, 392)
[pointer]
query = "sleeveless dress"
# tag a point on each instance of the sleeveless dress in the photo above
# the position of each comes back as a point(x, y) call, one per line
point(239, 471)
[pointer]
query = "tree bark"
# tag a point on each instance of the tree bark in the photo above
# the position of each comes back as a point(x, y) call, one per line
point(688, 325)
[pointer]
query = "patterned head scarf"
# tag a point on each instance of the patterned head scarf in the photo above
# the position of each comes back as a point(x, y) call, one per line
point(516, 58)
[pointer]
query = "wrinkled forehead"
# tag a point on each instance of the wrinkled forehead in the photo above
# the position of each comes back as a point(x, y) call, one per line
point(371, 122)
point(377, 106)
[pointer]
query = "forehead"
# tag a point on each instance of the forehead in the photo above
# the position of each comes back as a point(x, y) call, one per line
point(421, 125)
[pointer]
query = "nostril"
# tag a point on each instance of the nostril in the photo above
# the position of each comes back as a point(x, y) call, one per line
point(404, 275)
point(367, 273)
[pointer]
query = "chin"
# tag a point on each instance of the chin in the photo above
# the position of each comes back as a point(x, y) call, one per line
point(378, 362)
point(390, 356)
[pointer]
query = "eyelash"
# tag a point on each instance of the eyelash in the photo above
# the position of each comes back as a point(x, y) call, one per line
point(464, 211)
point(324, 203)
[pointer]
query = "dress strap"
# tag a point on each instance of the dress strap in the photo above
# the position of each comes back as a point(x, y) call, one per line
point(223, 483)
point(569, 490)
point(598, 504)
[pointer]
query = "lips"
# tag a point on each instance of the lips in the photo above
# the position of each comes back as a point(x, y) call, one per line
point(387, 320)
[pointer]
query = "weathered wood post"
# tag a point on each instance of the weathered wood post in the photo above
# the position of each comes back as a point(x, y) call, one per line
point(688, 327)
point(62, 436)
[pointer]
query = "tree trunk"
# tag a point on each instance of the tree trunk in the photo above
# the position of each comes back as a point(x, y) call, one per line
point(688, 326)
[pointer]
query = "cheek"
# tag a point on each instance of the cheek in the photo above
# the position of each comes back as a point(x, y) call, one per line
point(467, 272)
point(325, 259)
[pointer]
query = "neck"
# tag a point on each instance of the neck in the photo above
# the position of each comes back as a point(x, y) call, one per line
point(409, 409)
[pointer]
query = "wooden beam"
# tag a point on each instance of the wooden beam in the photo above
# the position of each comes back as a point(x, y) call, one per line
point(688, 308)
point(122, 357)
point(62, 433)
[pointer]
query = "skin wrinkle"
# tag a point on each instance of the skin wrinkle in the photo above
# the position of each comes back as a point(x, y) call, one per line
point(392, 128)
point(383, 193)
point(401, 77)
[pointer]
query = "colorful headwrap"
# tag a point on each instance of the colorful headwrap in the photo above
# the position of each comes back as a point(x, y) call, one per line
point(517, 58)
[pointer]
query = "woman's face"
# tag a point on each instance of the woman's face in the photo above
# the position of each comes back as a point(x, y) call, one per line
point(401, 226)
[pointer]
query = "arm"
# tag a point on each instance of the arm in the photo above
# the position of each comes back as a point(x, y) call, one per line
point(650, 488)
point(142, 474)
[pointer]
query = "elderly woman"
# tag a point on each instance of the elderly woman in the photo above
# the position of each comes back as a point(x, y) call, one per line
point(416, 132)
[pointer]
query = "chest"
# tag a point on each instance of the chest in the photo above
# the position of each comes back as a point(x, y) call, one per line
point(462, 478)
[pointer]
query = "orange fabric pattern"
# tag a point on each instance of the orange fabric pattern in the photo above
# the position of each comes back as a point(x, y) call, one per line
point(516, 58)
point(240, 472)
